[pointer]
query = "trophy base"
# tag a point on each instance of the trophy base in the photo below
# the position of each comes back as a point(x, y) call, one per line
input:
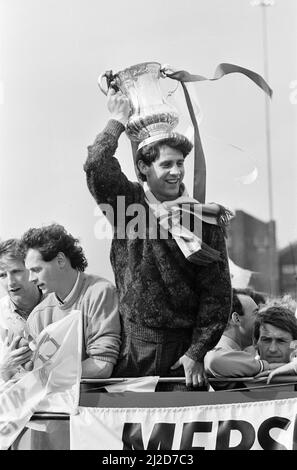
point(140, 128)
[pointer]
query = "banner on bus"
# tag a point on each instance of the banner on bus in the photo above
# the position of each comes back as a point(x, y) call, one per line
point(258, 425)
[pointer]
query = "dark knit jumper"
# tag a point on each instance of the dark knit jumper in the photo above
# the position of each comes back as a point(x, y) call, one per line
point(158, 288)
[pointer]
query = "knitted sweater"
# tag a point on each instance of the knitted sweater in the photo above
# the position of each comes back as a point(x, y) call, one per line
point(97, 299)
point(158, 287)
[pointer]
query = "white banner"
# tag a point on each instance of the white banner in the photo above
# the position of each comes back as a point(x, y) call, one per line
point(134, 384)
point(268, 425)
point(53, 385)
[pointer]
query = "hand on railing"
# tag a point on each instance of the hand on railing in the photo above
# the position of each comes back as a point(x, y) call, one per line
point(194, 371)
point(289, 368)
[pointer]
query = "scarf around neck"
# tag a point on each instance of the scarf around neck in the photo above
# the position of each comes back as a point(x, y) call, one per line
point(182, 218)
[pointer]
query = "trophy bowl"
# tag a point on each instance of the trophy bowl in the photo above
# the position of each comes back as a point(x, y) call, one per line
point(150, 114)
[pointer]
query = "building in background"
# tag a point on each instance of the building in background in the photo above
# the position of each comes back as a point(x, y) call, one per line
point(252, 246)
point(288, 270)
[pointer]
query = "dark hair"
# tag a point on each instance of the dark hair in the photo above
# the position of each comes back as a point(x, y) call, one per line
point(12, 247)
point(286, 301)
point(236, 304)
point(151, 152)
point(51, 240)
point(280, 317)
point(236, 307)
point(257, 297)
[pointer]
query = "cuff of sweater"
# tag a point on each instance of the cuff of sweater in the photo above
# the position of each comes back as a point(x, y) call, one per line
point(192, 353)
point(115, 128)
point(264, 365)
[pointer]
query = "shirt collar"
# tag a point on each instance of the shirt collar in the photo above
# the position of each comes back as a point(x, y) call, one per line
point(70, 293)
point(18, 310)
point(227, 342)
point(13, 306)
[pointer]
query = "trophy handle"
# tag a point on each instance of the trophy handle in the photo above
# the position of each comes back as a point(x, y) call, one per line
point(110, 81)
point(100, 83)
point(166, 69)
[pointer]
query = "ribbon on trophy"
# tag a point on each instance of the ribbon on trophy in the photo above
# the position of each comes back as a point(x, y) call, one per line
point(152, 117)
point(199, 191)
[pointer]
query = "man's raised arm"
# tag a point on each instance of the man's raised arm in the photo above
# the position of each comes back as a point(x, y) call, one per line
point(104, 175)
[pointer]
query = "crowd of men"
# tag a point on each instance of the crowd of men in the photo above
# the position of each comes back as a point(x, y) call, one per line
point(43, 275)
point(172, 311)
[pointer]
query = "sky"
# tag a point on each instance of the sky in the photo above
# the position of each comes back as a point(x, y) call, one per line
point(51, 53)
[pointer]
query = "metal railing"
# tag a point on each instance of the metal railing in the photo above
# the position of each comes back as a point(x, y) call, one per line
point(251, 384)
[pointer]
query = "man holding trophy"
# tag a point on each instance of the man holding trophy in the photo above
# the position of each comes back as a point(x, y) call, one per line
point(173, 282)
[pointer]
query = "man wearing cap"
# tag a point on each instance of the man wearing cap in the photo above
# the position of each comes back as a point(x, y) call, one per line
point(174, 289)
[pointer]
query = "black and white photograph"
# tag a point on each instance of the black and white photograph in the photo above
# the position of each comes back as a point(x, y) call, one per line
point(148, 228)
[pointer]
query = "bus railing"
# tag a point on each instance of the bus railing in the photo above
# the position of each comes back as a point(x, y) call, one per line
point(254, 384)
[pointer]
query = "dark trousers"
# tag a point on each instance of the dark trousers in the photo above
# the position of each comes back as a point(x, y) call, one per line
point(151, 351)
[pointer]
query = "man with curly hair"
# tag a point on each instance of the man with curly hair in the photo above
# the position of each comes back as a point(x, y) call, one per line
point(174, 291)
point(56, 263)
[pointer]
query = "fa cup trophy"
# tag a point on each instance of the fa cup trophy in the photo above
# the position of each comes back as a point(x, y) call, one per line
point(151, 117)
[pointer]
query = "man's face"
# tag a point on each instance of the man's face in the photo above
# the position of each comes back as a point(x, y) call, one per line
point(45, 274)
point(274, 344)
point(247, 321)
point(164, 175)
point(14, 278)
